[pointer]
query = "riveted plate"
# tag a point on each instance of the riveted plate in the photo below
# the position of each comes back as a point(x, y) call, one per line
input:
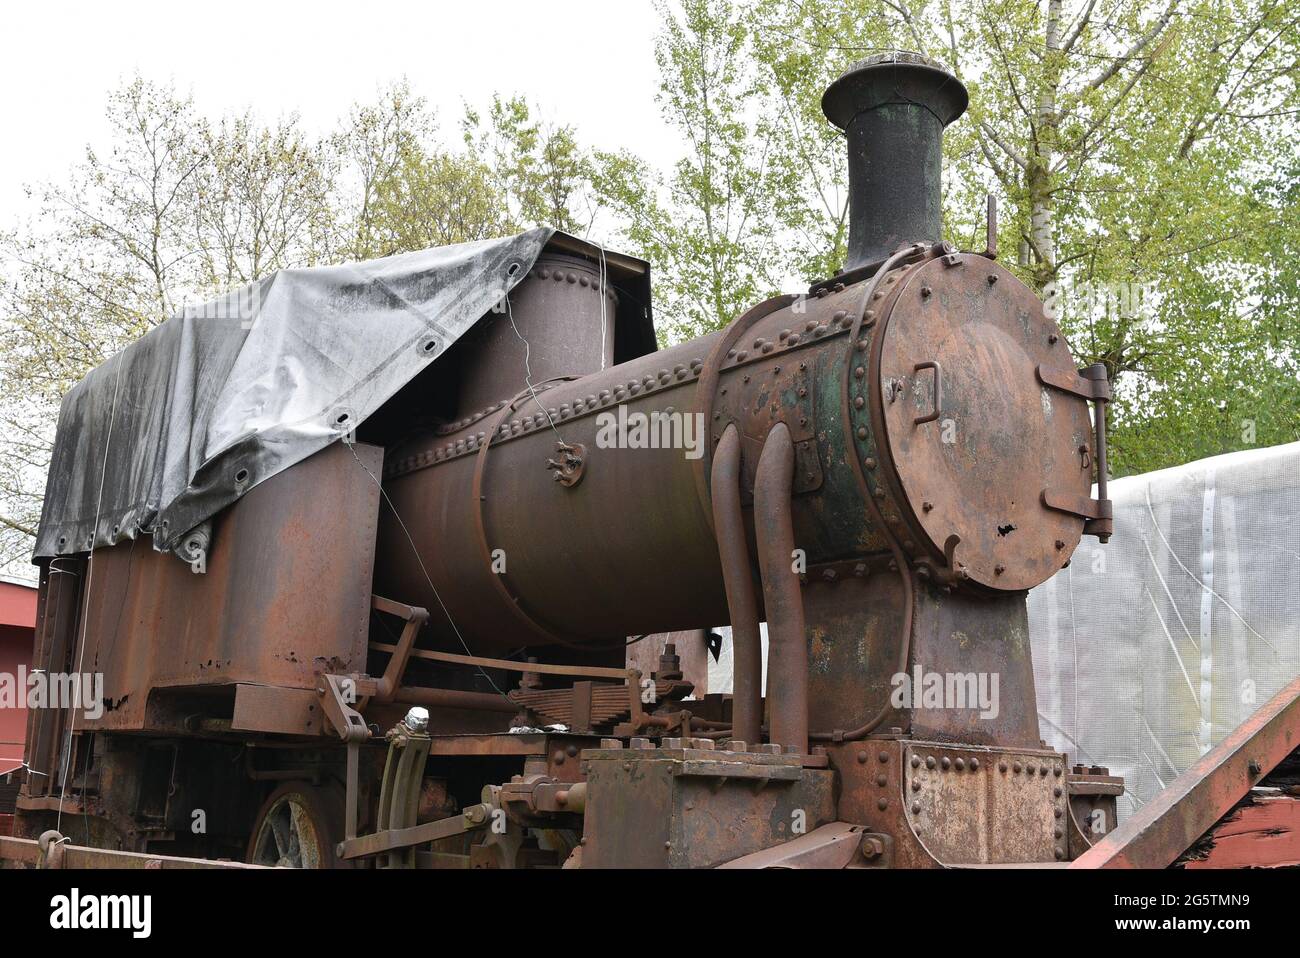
point(986, 806)
point(1000, 437)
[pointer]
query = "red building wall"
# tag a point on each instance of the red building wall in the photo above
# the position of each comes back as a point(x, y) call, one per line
point(17, 631)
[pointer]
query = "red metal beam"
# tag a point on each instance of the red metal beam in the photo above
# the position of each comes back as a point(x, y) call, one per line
point(1167, 826)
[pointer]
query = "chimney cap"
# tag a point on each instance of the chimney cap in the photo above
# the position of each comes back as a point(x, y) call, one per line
point(898, 76)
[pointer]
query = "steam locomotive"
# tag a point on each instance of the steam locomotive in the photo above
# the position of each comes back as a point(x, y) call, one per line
point(424, 661)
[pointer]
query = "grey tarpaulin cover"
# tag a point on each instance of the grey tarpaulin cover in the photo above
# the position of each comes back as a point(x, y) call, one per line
point(217, 399)
point(1149, 650)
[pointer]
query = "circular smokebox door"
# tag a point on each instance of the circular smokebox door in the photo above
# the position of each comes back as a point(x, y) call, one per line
point(975, 437)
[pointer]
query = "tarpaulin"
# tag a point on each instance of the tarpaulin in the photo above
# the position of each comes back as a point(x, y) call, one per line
point(223, 396)
point(1150, 649)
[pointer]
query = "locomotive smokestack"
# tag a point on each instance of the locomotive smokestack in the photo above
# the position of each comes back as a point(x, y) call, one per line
point(893, 107)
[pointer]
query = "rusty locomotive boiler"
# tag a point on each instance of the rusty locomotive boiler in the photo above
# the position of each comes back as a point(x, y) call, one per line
point(410, 648)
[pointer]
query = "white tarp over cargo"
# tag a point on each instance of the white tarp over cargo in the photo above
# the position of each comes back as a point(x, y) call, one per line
point(1151, 649)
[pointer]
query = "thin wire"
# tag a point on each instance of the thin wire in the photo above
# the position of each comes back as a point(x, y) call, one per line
point(604, 319)
point(90, 578)
point(528, 370)
point(380, 486)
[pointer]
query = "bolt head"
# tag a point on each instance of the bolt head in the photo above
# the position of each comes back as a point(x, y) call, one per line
point(417, 719)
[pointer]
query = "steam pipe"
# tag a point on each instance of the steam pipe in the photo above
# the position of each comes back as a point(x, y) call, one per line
point(746, 649)
point(782, 598)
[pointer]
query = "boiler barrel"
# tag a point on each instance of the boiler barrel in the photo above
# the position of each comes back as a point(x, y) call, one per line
point(520, 558)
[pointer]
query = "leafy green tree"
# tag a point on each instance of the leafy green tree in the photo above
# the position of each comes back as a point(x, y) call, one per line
point(1143, 150)
point(537, 168)
point(708, 226)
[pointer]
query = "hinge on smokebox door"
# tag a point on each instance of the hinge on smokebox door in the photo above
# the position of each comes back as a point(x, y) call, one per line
point(1092, 384)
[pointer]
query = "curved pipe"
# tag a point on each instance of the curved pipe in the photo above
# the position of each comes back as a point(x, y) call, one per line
point(737, 577)
point(782, 598)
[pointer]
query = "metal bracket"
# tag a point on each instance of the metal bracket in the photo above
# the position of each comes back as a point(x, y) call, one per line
point(334, 692)
point(1070, 381)
point(569, 467)
point(415, 618)
point(1097, 514)
point(1092, 384)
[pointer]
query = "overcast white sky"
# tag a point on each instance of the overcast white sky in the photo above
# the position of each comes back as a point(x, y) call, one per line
point(585, 62)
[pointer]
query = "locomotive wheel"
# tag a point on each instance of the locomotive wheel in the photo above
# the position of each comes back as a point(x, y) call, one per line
point(298, 827)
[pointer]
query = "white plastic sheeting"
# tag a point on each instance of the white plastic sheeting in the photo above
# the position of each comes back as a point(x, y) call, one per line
point(1151, 649)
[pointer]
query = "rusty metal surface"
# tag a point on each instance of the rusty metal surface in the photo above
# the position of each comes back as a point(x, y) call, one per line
point(830, 846)
point(695, 808)
point(986, 806)
point(742, 603)
point(787, 696)
point(578, 567)
point(152, 623)
point(973, 435)
point(557, 311)
point(266, 708)
point(1177, 817)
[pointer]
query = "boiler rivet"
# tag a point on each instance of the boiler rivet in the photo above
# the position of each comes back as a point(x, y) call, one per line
point(862, 757)
point(882, 804)
point(916, 761)
point(945, 762)
point(916, 784)
point(929, 761)
point(916, 808)
point(883, 756)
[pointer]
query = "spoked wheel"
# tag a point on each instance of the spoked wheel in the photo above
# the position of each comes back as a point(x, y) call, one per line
point(296, 828)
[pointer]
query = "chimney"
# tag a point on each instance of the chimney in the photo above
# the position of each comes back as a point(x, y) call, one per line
point(893, 107)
